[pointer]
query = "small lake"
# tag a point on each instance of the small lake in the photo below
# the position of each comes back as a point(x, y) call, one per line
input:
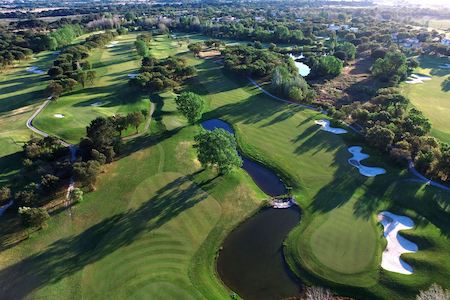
point(302, 68)
point(251, 262)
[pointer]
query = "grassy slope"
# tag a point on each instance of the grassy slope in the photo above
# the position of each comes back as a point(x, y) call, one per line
point(110, 88)
point(431, 98)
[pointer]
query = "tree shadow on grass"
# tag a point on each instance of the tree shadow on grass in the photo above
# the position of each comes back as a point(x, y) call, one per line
point(69, 255)
point(445, 85)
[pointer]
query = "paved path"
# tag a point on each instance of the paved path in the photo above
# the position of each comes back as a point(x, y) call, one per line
point(411, 167)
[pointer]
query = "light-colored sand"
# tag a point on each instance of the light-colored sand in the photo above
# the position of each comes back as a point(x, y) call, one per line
point(59, 116)
point(112, 44)
point(132, 75)
point(415, 79)
point(325, 124)
point(396, 244)
point(97, 103)
point(356, 159)
point(35, 70)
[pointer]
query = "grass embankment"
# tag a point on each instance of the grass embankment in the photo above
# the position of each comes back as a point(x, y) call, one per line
point(110, 94)
point(432, 97)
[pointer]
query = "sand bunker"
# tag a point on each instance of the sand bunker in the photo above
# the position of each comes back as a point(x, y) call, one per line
point(356, 159)
point(445, 66)
point(35, 70)
point(59, 116)
point(97, 103)
point(396, 244)
point(415, 79)
point(326, 127)
point(132, 75)
point(112, 44)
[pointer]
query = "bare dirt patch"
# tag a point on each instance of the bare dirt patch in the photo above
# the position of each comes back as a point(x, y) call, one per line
point(209, 53)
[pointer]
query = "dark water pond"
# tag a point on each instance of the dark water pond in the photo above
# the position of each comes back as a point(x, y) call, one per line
point(251, 262)
point(265, 178)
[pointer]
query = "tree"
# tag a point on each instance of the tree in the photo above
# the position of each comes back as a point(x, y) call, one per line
point(86, 172)
point(434, 292)
point(392, 68)
point(76, 195)
point(33, 217)
point(317, 293)
point(380, 137)
point(217, 148)
point(141, 48)
point(5, 195)
point(195, 47)
point(49, 182)
point(348, 48)
point(135, 119)
point(121, 123)
point(54, 90)
point(55, 71)
point(190, 105)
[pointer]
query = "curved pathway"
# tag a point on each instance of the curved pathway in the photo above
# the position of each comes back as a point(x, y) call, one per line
point(411, 167)
point(147, 124)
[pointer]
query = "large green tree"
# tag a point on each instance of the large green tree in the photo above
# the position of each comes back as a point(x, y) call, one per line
point(217, 148)
point(392, 68)
point(190, 105)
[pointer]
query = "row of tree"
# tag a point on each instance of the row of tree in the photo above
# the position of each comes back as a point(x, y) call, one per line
point(142, 44)
point(291, 86)
point(71, 67)
point(391, 126)
point(248, 60)
point(160, 74)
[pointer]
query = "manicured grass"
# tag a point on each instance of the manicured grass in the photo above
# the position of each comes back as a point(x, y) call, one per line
point(111, 89)
point(432, 97)
point(338, 238)
point(154, 224)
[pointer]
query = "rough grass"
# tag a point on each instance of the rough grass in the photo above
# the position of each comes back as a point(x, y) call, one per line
point(432, 97)
point(111, 89)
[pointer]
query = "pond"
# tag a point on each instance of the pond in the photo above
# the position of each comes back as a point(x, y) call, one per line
point(251, 261)
point(303, 69)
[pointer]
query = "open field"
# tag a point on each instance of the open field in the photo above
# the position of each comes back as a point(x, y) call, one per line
point(432, 97)
point(156, 220)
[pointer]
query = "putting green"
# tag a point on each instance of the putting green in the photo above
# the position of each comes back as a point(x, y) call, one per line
point(432, 97)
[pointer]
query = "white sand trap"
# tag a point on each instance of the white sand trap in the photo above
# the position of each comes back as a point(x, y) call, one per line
point(49, 97)
point(326, 127)
point(59, 116)
point(396, 244)
point(132, 75)
point(35, 70)
point(445, 66)
point(356, 159)
point(112, 44)
point(415, 79)
point(97, 103)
